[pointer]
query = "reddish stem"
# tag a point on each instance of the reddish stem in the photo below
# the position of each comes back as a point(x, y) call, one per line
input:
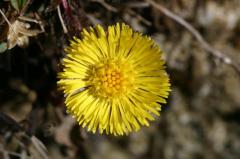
point(66, 7)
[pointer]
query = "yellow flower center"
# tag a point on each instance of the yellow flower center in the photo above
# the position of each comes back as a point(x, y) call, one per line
point(111, 78)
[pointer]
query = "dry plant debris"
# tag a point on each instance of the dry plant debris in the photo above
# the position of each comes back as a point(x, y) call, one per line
point(20, 30)
point(201, 44)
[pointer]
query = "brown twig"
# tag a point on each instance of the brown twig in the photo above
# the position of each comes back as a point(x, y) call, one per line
point(139, 17)
point(61, 20)
point(137, 4)
point(6, 19)
point(107, 6)
point(216, 53)
point(25, 7)
point(130, 11)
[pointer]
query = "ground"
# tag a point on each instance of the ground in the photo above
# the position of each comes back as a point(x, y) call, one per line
point(201, 118)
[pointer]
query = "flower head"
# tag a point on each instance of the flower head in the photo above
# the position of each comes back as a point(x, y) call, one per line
point(114, 80)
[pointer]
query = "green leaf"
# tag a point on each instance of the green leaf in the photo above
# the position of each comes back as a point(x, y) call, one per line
point(21, 3)
point(3, 47)
point(15, 4)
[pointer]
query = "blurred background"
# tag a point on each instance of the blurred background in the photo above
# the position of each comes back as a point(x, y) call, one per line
point(201, 119)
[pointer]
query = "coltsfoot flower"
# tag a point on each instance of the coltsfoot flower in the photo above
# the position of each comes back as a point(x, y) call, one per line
point(114, 80)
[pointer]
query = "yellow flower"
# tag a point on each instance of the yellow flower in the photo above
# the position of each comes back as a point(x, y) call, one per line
point(113, 81)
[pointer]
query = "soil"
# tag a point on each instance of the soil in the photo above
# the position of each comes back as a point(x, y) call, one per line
point(201, 119)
